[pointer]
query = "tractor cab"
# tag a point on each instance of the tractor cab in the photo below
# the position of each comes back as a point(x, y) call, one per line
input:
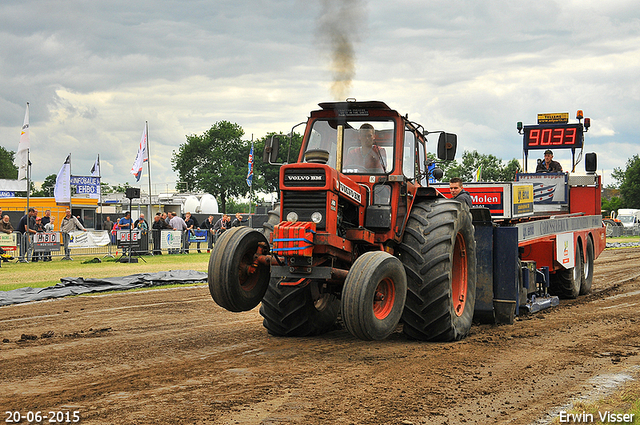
point(372, 160)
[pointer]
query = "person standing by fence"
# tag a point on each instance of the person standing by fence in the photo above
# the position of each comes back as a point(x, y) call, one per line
point(69, 224)
point(27, 226)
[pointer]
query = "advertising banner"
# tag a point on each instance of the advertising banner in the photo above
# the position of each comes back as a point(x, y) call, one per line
point(9, 241)
point(86, 185)
point(89, 239)
point(46, 241)
point(170, 239)
point(129, 238)
point(197, 235)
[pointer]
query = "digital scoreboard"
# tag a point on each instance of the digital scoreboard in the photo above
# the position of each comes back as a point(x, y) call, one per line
point(547, 136)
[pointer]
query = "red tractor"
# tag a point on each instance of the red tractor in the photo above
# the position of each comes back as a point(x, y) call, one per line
point(359, 233)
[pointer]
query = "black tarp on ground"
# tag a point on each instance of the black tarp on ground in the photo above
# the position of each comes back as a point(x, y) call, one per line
point(79, 285)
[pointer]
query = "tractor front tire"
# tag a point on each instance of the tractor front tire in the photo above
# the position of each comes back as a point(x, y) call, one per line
point(298, 311)
point(438, 251)
point(235, 282)
point(373, 296)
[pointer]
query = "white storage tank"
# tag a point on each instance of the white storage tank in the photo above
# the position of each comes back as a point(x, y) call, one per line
point(191, 204)
point(208, 204)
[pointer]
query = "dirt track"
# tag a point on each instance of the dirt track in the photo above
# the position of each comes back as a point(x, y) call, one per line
point(174, 356)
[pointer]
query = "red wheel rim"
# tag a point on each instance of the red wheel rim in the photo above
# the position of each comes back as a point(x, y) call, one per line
point(384, 298)
point(248, 275)
point(459, 275)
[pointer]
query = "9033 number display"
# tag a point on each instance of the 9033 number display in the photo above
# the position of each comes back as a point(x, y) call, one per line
point(553, 136)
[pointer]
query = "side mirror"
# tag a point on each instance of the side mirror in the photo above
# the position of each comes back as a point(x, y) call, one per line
point(591, 162)
point(271, 149)
point(447, 144)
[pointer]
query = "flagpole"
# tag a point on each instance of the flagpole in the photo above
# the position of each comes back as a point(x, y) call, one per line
point(251, 187)
point(70, 191)
point(149, 212)
point(100, 193)
point(28, 176)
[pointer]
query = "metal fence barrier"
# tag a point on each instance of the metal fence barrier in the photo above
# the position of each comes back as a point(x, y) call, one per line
point(46, 246)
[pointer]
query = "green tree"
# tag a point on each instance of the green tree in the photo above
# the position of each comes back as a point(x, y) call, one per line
point(46, 190)
point(629, 179)
point(215, 162)
point(265, 175)
point(7, 168)
point(610, 205)
point(493, 168)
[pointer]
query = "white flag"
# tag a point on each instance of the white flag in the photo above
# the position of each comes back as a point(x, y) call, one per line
point(141, 157)
point(22, 156)
point(95, 172)
point(62, 190)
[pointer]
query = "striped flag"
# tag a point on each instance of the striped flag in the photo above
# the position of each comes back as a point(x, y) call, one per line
point(250, 173)
point(477, 175)
point(141, 157)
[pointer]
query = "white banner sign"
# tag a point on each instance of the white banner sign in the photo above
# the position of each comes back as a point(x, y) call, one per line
point(89, 239)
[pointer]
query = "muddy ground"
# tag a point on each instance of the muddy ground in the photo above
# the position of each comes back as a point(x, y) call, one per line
point(174, 356)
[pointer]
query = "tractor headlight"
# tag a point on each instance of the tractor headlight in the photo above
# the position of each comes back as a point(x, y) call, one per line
point(316, 217)
point(292, 216)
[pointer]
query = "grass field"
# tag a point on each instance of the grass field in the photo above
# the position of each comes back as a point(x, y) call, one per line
point(15, 275)
point(39, 275)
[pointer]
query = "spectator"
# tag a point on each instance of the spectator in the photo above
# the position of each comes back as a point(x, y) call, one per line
point(459, 194)
point(191, 226)
point(208, 225)
point(158, 225)
point(237, 222)
point(107, 225)
point(125, 222)
point(26, 226)
point(39, 228)
point(5, 225)
point(221, 226)
point(69, 224)
point(46, 220)
point(178, 224)
point(141, 223)
point(49, 227)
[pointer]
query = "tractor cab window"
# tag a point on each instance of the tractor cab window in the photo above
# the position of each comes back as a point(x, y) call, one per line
point(322, 138)
point(409, 155)
point(368, 147)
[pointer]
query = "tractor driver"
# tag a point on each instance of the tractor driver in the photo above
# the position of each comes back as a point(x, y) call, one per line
point(368, 156)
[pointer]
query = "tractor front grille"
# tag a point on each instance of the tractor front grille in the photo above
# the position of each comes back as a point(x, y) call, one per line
point(305, 203)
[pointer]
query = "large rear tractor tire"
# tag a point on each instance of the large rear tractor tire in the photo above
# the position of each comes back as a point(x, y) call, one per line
point(587, 268)
point(373, 296)
point(235, 282)
point(438, 251)
point(298, 310)
point(566, 283)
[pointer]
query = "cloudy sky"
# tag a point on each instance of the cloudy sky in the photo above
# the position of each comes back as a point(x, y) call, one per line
point(95, 71)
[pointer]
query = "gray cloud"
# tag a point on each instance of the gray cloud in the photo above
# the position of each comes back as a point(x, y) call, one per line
point(94, 72)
